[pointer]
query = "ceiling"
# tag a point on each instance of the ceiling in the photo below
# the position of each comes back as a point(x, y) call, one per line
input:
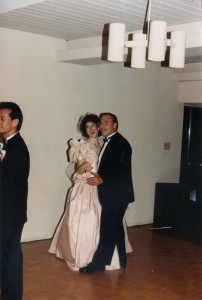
point(79, 19)
point(76, 19)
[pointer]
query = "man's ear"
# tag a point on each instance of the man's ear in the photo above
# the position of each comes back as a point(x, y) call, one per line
point(15, 122)
point(115, 125)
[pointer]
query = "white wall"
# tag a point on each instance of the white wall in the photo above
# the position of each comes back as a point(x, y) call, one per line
point(190, 83)
point(54, 95)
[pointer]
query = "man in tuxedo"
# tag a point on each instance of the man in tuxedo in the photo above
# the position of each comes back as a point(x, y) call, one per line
point(14, 171)
point(115, 192)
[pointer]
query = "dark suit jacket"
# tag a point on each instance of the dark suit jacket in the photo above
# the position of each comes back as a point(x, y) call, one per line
point(115, 170)
point(14, 183)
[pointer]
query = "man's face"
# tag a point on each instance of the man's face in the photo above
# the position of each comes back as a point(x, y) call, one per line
point(8, 127)
point(107, 126)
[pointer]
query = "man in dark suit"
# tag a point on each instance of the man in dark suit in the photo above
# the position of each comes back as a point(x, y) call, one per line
point(14, 171)
point(115, 192)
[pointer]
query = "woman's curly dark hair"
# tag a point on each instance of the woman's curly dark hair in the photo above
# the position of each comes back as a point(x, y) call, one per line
point(84, 120)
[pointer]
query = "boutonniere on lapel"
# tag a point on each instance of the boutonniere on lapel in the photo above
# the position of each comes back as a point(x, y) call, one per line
point(2, 151)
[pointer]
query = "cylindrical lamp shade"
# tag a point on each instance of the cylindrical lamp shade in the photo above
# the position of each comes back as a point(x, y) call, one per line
point(116, 42)
point(157, 41)
point(177, 49)
point(138, 56)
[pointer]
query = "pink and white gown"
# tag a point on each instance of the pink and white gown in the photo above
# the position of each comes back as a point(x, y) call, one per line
point(77, 235)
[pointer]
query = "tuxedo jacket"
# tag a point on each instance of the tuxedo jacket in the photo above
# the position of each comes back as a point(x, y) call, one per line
point(115, 170)
point(14, 172)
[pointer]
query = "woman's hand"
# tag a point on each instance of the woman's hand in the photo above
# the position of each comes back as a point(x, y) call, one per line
point(83, 167)
point(87, 167)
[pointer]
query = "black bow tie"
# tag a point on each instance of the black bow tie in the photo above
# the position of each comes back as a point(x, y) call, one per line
point(106, 140)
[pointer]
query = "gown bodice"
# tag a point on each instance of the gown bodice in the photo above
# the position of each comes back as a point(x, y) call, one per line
point(83, 149)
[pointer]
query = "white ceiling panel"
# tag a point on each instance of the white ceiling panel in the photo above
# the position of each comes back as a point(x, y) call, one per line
point(76, 19)
point(80, 19)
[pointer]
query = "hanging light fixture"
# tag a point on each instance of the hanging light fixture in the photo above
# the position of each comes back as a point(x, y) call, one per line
point(155, 40)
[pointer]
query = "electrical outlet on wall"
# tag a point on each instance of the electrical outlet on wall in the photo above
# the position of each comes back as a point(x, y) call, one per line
point(166, 146)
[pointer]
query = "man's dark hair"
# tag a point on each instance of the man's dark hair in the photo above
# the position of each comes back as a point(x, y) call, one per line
point(15, 113)
point(88, 118)
point(114, 118)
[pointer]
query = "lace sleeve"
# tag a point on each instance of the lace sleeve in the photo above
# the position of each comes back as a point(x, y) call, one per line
point(76, 151)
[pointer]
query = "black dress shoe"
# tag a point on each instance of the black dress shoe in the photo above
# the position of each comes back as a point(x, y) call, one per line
point(123, 261)
point(91, 268)
point(122, 265)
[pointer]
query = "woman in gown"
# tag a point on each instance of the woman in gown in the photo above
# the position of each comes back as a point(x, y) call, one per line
point(77, 234)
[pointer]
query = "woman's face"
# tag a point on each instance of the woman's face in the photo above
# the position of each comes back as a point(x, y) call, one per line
point(91, 130)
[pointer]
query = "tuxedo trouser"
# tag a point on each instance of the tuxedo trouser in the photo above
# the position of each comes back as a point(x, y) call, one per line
point(111, 234)
point(11, 263)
